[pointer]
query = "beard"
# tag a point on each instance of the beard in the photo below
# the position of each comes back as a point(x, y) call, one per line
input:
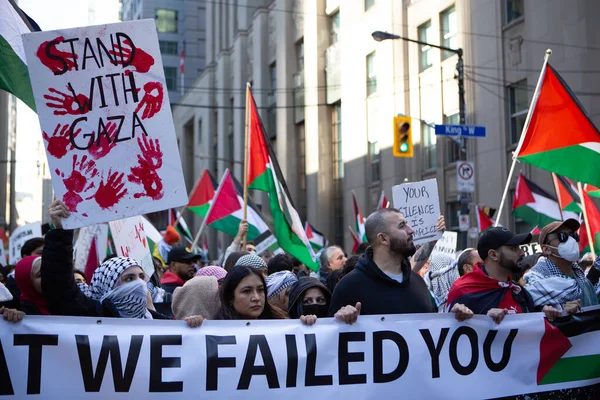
point(404, 249)
point(510, 265)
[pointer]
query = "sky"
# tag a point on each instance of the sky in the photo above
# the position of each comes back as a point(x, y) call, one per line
point(49, 15)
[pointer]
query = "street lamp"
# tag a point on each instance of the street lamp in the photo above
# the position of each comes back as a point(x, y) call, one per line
point(381, 36)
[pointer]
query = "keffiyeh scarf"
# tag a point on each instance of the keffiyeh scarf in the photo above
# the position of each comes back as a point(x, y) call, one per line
point(443, 272)
point(279, 281)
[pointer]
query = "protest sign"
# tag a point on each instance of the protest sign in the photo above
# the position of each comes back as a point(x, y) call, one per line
point(421, 356)
point(103, 106)
point(19, 236)
point(2, 253)
point(129, 237)
point(99, 233)
point(531, 248)
point(420, 205)
point(446, 244)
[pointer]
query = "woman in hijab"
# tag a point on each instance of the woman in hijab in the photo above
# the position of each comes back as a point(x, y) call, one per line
point(29, 280)
point(213, 270)
point(117, 289)
point(443, 271)
point(198, 296)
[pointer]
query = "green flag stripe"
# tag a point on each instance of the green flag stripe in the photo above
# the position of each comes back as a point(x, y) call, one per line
point(230, 225)
point(573, 369)
point(14, 75)
point(200, 210)
point(532, 216)
point(262, 182)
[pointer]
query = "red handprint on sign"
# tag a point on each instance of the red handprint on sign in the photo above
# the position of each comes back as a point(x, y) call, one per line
point(68, 104)
point(58, 143)
point(153, 102)
point(111, 192)
point(141, 62)
point(104, 144)
point(61, 61)
point(77, 183)
point(145, 173)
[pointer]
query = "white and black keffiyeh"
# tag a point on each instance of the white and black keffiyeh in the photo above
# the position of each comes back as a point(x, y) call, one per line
point(130, 300)
point(107, 275)
point(252, 261)
point(279, 281)
point(443, 272)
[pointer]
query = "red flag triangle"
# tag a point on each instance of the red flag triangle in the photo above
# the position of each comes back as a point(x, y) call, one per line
point(203, 192)
point(92, 261)
point(523, 195)
point(226, 200)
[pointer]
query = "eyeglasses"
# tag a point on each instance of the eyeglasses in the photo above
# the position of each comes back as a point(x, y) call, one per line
point(564, 236)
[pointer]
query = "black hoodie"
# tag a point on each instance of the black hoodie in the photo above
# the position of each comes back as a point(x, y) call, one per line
point(380, 294)
point(297, 294)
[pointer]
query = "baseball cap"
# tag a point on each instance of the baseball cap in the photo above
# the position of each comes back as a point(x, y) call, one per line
point(495, 238)
point(570, 223)
point(180, 253)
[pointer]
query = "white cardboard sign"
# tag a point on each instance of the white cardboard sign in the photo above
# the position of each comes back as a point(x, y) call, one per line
point(103, 107)
point(419, 203)
point(2, 254)
point(446, 244)
point(531, 248)
point(130, 241)
point(19, 236)
point(84, 243)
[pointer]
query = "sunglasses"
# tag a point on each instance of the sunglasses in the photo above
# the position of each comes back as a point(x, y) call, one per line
point(564, 236)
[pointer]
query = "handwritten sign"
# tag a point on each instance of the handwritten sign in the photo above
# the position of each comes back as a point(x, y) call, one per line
point(103, 106)
point(84, 243)
point(419, 203)
point(129, 237)
point(2, 254)
point(446, 244)
point(19, 236)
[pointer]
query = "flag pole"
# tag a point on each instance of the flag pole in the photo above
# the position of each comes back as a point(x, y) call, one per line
point(588, 228)
point(522, 138)
point(246, 159)
point(555, 183)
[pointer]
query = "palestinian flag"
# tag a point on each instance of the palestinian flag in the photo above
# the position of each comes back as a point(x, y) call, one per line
point(317, 239)
point(152, 234)
point(535, 231)
point(558, 136)
point(14, 75)
point(93, 261)
point(592, 190)
point(355, 240)
point(202, 194)
point(359, 220)
point(593, 217)
point(383, 201)
point(227, 210)
point(484, 222)
point(264, 174)
point(176, 221)
point(568, 198)
point(536, 206)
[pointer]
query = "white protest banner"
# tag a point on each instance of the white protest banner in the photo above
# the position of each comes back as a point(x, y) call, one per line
point(446, 244)
point(130, 240)
point(103, 106)
point(421, 356)
point(19, 236)
point(99, 232)
point(420, 205)
point(2, 254)
point(531, 248)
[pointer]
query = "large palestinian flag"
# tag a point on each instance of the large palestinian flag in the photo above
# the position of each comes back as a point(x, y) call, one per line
point(264, 174)
point(536, 206)
point(568, 198)
point(316, 238)
point(227, 210)
point(593, 217)
point(558, 136)
point(14, 75)
point(484, 221)
point(202, 194)
point(592, 190)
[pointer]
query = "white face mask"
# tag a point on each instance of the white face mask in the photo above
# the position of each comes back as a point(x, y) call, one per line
point(568, 250)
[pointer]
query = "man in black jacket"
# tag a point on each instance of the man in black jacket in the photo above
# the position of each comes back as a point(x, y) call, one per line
point(382, 281)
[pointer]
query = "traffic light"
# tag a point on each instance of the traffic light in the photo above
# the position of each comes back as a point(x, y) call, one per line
point(403, 144)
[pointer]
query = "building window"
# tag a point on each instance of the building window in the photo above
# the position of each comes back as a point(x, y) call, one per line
point(449, 31)
point(338, 162)
point(171, 78)
point(369, 4)
point(371, 75)
point(514, 9)
point(300, 55)
point(518, 105)
point(272, 102)
point(453, 147)
point(167, 47)
point(166, 20)
point(334, 28)
point(374, 158)
point(429, 146)
point(425, 57)
point(454, 209)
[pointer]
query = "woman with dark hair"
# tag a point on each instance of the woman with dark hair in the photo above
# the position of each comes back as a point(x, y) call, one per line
point(243, 296)
point(232, 259)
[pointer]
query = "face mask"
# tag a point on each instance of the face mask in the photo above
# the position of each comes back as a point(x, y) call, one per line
point(320, 310)
point(129, 299)
point(568, 250)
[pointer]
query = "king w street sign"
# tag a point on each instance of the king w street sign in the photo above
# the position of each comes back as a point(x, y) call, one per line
point(460, 130)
